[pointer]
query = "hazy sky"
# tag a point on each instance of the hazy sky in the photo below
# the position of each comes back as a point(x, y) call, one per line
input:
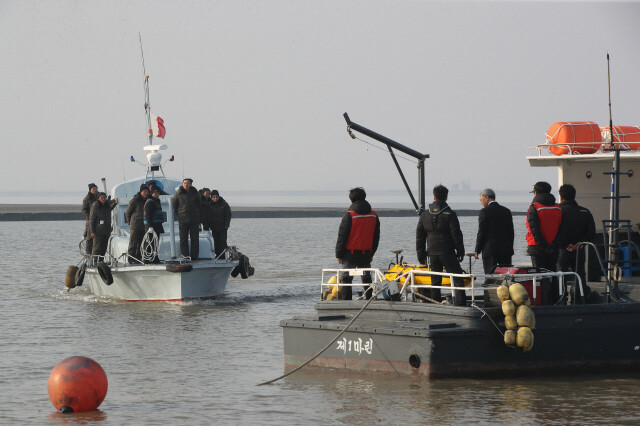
point(252, 92)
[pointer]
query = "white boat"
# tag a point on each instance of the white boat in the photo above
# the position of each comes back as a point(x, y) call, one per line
point(175, 278)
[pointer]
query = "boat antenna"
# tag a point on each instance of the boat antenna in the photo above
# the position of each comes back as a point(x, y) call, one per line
point(614, 223)
point(609, 86)
point(147, 103)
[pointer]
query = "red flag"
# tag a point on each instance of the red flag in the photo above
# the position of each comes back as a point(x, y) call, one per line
point(157, 125)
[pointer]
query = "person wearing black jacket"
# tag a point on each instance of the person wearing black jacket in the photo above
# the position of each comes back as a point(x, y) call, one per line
point(89, 199)
point(186, 205)
point(579, 227)
point(100, 224)
point(495, 232)
point(135, 218)
point(153, 217)
point(220, 220)
point(439, 237)
point(205, 208)
point(358, 238)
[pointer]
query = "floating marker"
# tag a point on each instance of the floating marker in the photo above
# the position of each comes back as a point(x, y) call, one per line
point(77, 384)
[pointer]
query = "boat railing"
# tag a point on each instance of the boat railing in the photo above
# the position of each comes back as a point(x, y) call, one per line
point(571, 146)
point(535, 278)
point(406, 284)
point(377, 278)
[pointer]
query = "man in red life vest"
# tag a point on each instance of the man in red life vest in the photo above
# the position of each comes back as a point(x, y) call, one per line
point(545, 235)
point(358, 238)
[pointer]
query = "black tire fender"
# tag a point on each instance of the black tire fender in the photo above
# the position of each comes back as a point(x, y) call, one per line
point(105, 273)
point(179, 267)
point(80, 274)
point(235, 271)
point(244, 267)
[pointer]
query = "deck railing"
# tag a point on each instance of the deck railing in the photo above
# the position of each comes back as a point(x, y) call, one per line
point(405, 285)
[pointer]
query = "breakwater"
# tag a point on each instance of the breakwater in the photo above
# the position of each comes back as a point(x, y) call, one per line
point(54, 212)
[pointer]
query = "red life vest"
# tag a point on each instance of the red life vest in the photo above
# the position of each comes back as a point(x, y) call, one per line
point(363, 227)
point(550, 218)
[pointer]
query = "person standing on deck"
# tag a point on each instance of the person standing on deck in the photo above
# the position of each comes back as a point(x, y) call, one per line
point(579, 227)
point(220, 220)
point(495, 232)
point(89, 199)
point(100, 224)
point(205, 208)
point(153, 217)
point(545, 234)
point(358, 238)
point(135, 218)
point(186, 205)
point(439, 232)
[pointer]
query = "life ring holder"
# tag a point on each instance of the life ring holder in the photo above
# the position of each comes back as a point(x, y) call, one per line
point(105, 273)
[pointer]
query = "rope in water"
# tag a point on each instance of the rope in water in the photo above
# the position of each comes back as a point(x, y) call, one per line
point(328, 344)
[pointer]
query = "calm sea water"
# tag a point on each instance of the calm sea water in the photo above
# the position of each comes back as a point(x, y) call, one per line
point(199, 363)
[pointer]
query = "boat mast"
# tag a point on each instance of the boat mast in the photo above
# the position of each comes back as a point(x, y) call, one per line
point(147, 104)
point(393, 144)
point(614, 197)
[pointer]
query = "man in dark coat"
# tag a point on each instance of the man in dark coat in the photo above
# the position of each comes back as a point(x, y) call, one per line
point(186, 205)
point(153, 216)
point(205, 208)
point(579, 227)
point(358, 238)
point(100, 224)
point(220, 220)
point(495, 232)
point(545, 235)
point(135, 218)
point(89, 199)
point(439, 232)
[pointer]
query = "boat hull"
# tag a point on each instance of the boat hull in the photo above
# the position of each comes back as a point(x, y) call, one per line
point(436, 341)
point(154, 283)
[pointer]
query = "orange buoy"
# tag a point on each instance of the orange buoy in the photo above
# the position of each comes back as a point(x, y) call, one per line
point(77, 384)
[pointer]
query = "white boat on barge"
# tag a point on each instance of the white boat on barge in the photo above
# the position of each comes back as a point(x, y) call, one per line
point(402, 334)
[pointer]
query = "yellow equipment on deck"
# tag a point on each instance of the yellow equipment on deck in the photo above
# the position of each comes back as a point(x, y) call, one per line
point(398, 270)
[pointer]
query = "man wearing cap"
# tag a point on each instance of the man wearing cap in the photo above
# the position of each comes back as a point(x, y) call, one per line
point(545, 234)
point(89, 199)
point(135, 218)
point(495, 232)
point(186, 205)
point(153, 184)
point(100, 224)
point(220, 220)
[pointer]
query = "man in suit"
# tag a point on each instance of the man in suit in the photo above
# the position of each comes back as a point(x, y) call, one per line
point(495, 232)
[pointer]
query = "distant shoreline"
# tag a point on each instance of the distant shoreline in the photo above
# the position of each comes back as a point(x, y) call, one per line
point(54, 212)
